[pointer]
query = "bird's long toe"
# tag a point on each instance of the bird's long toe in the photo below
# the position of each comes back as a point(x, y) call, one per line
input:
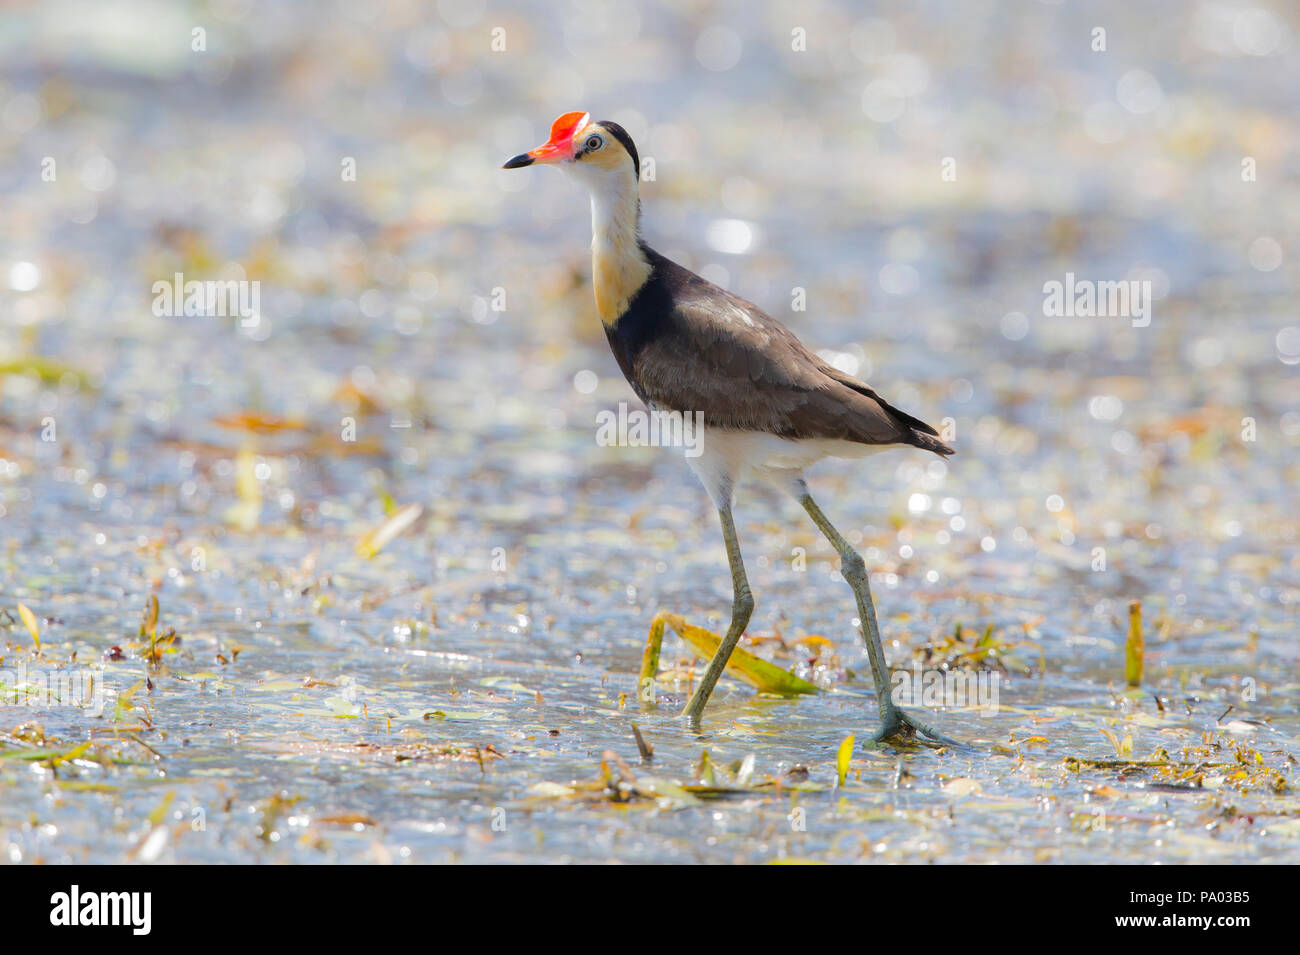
point(897, 726)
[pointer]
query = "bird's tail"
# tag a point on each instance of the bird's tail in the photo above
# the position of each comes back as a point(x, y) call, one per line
point(912, 431)
point(919, 434)
point(930, 442)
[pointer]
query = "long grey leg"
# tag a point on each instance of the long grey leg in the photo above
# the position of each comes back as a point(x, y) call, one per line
point(894, 722)
point(742, 608)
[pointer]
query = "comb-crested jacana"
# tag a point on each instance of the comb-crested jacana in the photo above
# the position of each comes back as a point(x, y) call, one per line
point(770, 406)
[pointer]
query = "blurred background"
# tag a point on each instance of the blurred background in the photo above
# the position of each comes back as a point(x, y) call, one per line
point(918, 170)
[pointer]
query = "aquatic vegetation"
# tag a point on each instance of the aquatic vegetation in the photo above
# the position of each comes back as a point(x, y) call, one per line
point(754, 670)
point(354, 579)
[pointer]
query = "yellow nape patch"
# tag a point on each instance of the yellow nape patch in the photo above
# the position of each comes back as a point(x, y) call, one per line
point(617, 278)
point(618, 266)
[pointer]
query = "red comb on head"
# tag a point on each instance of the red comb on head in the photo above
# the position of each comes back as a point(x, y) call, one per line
point(563, 128)
point(559, 148)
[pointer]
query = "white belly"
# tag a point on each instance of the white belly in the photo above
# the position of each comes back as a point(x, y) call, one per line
point(727, 456)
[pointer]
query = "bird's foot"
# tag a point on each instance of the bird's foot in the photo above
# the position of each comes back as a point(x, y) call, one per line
point(899, 726)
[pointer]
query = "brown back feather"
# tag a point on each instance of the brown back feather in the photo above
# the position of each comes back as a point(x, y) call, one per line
point(689, 345)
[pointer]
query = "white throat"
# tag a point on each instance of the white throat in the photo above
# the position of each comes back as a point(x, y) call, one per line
point(613, 208)
point(619, 267)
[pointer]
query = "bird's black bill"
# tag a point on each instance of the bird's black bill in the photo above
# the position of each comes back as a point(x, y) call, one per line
point(523, 159)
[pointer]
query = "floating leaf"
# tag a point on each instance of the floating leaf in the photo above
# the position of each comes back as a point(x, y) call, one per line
point(667, 792)
point(650, 660)
point(352, 820)
point(248, 511)
point(47, 369)
point(149, 620)
point(792, 860)
point(1133, 647)
point(842, 758)
point(746, 771)
point(1123, 747)
point(379, 538)
point(962, 786)
point(159, 813)
point(124, 702)
point(355, 398)
point(645, 749)
point(763, 676)
point(814, 639)
point(29, 621)
point(547, 790)
point(73, 754)
point(704, 771)
point(261, 423)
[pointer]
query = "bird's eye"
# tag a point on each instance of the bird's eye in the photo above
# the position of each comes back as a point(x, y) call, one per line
point(594, 143)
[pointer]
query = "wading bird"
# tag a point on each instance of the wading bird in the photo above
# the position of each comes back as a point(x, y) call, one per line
point(770, 406)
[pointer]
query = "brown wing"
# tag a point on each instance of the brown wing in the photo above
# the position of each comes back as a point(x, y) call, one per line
point(716, 353)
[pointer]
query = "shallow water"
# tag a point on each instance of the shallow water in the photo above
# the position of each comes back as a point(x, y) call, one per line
point(454, 696)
